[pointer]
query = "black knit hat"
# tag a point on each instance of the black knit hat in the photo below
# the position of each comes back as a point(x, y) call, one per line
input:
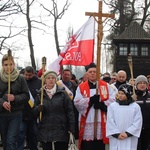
point(91, 65)
point(127, 89)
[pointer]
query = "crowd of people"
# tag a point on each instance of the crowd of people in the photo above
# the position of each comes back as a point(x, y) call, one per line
point(112, 113)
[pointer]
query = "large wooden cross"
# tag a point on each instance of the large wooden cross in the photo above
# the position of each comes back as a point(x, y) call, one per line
point(100, 15)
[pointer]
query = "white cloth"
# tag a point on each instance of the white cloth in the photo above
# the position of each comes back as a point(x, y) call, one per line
point(123, 118)
point(81, 102)
point(50, 92)
point(69, 92)
point(114, 88)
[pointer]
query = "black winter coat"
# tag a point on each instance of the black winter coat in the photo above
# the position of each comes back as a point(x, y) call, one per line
point(144, 102)
point(19, 89)
point(34, 86)
point(57, 117)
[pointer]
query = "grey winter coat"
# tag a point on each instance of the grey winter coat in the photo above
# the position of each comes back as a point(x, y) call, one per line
point(57, 117)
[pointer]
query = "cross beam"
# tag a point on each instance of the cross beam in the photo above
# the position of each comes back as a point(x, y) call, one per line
point(100, 15)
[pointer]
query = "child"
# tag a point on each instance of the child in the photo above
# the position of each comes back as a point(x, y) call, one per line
point(124, 121)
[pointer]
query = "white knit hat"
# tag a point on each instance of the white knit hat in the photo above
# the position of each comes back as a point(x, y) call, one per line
point(140, 78)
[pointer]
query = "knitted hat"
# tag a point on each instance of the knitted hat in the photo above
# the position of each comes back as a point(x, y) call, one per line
point(140, 78)
point(52, 73)
point(127, 89)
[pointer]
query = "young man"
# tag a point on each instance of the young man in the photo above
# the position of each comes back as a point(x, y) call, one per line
point(28, 127)
point(87, 103)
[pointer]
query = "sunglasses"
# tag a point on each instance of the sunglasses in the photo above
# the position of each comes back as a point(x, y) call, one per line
point(113, 78)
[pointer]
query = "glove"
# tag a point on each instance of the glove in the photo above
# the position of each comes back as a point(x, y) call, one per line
point(40, 107)
point(101, 106)
point(93, 100)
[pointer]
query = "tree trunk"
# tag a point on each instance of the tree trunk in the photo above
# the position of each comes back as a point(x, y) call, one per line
point(56, 36)
point(30, 36)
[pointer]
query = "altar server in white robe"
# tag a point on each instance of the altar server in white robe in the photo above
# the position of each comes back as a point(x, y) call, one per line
point(124, 121)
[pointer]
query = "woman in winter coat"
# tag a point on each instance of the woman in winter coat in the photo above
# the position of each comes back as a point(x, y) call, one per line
point(57, 114)
point(12, 102)
point(143, 99)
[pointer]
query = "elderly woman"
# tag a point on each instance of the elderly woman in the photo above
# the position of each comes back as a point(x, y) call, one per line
point(57, 114)
point(12, 102)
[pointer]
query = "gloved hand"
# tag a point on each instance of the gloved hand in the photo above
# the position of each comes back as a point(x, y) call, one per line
point(93, 99)
point(40, 107)
point(101, 106)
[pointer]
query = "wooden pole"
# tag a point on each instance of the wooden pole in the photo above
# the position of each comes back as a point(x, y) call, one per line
point(42, 88)
point(99, 40)
point(9, 59)
point(131, 72)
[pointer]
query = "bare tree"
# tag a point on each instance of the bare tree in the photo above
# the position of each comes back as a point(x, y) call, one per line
point(57, 15)
point(125, 12)
point(21, 8)
point(8, 11)
point(30, 33)
point(145, 12)
point(30, 20)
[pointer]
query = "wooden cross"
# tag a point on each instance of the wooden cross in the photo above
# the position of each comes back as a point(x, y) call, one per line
point(100, 15)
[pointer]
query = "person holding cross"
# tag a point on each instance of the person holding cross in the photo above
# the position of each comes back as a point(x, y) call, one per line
point(87, 101)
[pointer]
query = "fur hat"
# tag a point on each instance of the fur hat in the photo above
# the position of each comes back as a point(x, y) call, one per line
point(91, 65)
point(140, 78)
point(52, 73)
point(127, 89)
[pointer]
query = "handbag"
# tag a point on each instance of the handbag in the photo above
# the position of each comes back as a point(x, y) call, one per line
point(72, 145)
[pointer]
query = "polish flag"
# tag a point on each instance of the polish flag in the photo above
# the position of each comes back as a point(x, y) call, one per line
point(79, 50)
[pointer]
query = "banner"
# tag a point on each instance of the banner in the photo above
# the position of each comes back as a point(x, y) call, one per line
point(79, 50)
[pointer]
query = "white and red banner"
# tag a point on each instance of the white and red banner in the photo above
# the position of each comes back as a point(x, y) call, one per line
point(79, 50)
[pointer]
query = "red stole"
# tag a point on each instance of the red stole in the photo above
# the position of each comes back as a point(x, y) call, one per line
point(85, 89)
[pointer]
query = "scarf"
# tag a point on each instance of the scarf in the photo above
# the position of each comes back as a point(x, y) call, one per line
point(13, 75)
point(50, 92)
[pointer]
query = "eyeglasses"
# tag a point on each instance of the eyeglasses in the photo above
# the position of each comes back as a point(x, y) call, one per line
point(113, 78)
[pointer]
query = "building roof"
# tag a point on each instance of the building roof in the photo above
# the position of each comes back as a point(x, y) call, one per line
point(133, 32)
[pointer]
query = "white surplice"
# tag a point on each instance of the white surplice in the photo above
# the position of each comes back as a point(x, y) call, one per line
point(123, 118)
point(81, 102)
